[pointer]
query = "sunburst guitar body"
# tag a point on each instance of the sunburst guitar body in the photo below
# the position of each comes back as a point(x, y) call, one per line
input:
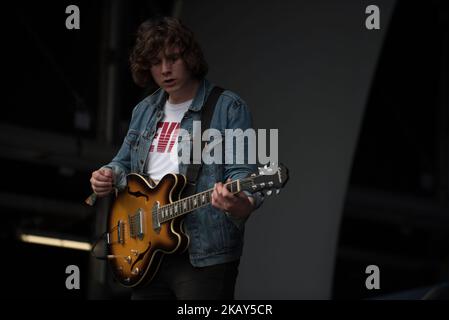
point(146, 220)
point(136, 246)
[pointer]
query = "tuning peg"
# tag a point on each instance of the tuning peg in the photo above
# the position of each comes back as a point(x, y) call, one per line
point(263, 170)
point(278, 191)
point(269, 192)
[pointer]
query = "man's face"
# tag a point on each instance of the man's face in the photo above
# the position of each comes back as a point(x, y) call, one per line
point(169, 71)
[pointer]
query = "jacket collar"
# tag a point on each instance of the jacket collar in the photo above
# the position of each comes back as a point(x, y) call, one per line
point(203, 90)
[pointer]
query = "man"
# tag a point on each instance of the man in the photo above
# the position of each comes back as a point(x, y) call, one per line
point(166, 54)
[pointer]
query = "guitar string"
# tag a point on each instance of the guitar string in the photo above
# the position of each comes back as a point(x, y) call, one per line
point(177, 202)
point(241, 182)
point(198, 195)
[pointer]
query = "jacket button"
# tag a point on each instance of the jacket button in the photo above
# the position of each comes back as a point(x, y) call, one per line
point(141, 161)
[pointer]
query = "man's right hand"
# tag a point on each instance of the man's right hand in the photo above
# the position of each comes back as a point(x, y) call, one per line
point(102, 181)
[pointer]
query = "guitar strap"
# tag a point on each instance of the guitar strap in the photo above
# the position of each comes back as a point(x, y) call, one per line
point(194, 169)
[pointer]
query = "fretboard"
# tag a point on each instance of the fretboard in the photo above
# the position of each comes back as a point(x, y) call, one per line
point(188, 204)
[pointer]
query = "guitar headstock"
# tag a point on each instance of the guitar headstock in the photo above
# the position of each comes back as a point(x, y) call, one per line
point(271, 179)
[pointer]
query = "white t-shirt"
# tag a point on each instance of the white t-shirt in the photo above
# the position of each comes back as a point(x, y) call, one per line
point(163, 157)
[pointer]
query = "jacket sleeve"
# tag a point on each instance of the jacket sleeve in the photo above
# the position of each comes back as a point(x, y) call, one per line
point(240, 162)
point(121, 163)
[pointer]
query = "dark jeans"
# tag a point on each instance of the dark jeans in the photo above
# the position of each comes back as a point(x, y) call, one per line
point(178, 279)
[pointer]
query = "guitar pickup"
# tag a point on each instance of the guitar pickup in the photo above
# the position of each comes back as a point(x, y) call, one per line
point(121, 232)
point(136, 224)
point(140, 227)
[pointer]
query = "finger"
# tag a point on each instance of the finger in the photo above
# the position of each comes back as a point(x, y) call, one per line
point(102, 190)
point(219, 188)
point(105, 175)
point(216, 201)
point(218, 197)
point(214, 195)
point(226, 193)
point(106, 172)
point(228, 196)
point(99, 184)
point(99, 177)
point(94, 181)
point(219, 201)
point(221, 192)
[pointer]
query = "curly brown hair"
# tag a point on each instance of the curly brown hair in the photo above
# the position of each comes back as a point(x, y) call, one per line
point(158, 34)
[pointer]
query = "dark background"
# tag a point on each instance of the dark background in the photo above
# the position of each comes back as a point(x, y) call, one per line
point(363, 126)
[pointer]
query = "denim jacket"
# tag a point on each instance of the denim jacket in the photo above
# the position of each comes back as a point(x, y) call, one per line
point(215, 237)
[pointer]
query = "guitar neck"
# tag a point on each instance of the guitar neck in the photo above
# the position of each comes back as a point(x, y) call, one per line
point(188, 204)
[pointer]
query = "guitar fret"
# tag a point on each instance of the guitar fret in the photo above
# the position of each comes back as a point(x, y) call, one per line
point(188, 204)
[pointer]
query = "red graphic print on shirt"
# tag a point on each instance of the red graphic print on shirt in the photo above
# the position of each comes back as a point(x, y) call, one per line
point(167, 133)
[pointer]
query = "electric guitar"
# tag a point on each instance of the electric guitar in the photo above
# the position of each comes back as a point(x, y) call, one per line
point(146, 220)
